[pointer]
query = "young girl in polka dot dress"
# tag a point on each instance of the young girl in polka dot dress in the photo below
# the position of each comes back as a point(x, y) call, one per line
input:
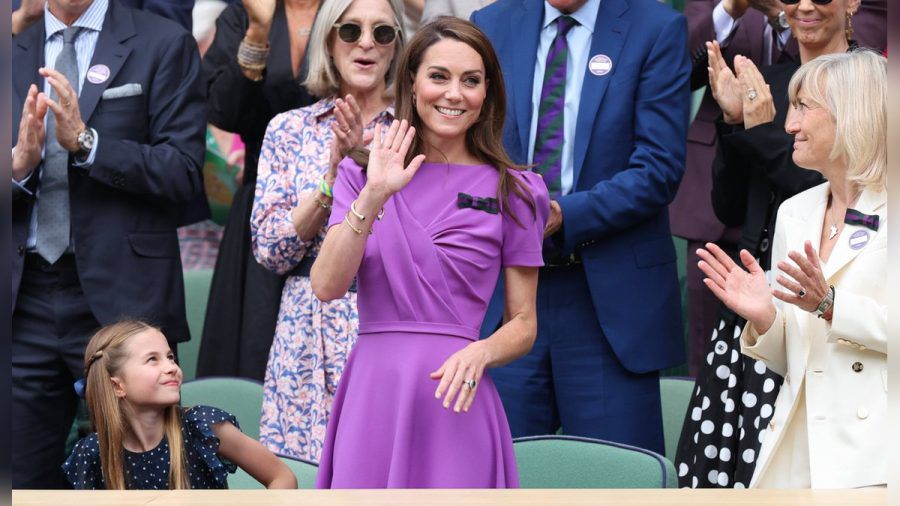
point(144, 438)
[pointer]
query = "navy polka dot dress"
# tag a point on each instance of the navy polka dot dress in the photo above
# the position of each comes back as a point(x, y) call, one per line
point(150, 470)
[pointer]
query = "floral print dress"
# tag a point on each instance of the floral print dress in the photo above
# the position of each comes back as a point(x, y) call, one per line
point(312, 338)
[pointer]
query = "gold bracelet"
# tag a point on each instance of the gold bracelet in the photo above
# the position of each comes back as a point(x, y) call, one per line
point(362, 217)
point(347, 219)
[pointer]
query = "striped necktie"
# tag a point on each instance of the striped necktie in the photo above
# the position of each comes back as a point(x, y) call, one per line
point(52, 234)
point(548, 142)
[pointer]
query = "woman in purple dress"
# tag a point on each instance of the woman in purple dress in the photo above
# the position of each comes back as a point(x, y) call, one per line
point(425, 221)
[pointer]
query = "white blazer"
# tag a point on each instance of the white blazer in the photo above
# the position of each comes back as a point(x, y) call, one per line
point(842, 365)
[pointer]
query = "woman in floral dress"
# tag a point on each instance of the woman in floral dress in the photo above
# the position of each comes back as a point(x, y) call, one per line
point(353, 49)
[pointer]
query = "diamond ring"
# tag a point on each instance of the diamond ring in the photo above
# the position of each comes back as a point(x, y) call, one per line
point(801, 293)
point(470, 383)
point(751, 94)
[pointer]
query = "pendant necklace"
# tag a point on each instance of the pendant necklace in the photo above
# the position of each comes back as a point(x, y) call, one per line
point(833, 229)
point(304, 31)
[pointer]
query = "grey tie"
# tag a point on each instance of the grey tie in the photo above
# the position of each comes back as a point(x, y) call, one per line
point(53, 225)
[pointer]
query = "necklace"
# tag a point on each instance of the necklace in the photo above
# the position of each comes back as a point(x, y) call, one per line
point(832, 229)
point(304, 31)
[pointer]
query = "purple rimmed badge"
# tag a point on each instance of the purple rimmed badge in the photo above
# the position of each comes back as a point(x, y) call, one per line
point(98, 74)
point(600, 65)
point(859, 239)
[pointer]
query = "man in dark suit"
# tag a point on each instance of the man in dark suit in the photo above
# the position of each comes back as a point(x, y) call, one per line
point(598, 100)
point(108, 122)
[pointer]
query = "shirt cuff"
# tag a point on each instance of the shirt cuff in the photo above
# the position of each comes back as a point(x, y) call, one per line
point(723, 23)
point(87, 162)
point(21, 184)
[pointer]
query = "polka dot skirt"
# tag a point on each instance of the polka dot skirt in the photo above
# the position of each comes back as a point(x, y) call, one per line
point(150, 470)
point(729, 411)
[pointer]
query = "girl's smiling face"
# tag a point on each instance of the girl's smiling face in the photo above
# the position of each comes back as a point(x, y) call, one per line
point(150, 376)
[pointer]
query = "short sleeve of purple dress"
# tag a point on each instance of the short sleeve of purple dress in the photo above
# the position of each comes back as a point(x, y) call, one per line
point(426, 277)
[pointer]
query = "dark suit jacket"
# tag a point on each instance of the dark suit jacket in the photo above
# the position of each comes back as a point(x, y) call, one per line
point(125, 207)
point(629, 158)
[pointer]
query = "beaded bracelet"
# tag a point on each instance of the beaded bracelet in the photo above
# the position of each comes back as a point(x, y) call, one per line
point(252, 56)
point(325, 188)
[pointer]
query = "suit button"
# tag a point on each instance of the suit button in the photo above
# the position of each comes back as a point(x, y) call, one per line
point(857, 367)
point(764, 245)
point(20, 250)
point(862, 413)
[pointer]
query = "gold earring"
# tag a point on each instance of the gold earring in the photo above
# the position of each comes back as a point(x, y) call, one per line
point(849, 30)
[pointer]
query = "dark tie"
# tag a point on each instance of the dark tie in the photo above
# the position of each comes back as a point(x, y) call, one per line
point(548, 142)
point(52, 237)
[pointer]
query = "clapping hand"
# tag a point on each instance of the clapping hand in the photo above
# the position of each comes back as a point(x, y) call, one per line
point(757, 104)
point(724, 85)
point(66, 112)
point(387, 172)
point(808, 286)
point(746, 292)
point(30, 141)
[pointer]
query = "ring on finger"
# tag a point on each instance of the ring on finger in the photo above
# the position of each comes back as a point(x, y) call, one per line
point(470, 383)
point(801, 293)
point(66, 103)
point(751, 94)
point(347, 130)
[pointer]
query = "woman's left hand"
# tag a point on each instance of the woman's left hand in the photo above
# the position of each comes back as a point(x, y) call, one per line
point(808, 287)
point(759, 108)
point(348, 126)
point(457, 373)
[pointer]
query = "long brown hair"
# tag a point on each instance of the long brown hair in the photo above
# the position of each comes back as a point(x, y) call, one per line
point(103, 359)
point(484, 137)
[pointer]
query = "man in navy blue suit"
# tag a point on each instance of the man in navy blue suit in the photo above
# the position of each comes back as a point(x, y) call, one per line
point(108, 136)
point(599, 102)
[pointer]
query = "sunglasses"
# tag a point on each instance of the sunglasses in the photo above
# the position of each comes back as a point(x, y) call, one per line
point(351, 33)
point(795, 2)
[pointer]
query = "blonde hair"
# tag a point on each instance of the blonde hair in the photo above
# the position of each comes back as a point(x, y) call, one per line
point(322, 79)
point(853, 86)
point(105, 354)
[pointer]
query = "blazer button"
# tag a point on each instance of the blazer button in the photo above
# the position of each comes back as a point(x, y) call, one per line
point(20, 250)
point(857, 367)
point(862, 413)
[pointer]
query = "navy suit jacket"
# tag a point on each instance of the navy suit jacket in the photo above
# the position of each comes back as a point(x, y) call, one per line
point(125, 207)
point(629, 153)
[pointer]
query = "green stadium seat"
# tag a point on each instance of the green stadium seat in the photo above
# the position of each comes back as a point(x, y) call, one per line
point(238, 396)
point(675, 393)
point(196, 294)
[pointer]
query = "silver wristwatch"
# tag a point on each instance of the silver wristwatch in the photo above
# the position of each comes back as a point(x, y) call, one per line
point(826, 303)
point(85, 142)
point(779, 23)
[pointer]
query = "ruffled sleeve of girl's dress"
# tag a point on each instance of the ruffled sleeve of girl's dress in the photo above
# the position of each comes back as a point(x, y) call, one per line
point(82, 468)
point(351, 178)
point(198, 423)
point(523, 241)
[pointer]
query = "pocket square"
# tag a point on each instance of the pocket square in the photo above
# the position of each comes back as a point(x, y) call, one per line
point(126, 90)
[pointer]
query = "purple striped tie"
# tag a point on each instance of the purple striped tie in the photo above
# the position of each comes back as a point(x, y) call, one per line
point(548, 141)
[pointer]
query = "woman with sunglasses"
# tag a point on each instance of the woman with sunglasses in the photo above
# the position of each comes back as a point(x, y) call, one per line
point(426, 220)
point(753, 173)
point(353, 55)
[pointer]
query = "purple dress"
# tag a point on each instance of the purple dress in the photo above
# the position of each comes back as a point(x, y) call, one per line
point(426, 277)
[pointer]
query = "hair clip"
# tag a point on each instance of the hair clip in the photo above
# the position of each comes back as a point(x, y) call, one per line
point(80, 387)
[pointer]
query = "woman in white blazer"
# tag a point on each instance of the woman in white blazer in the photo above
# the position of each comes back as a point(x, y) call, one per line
point(825, 328)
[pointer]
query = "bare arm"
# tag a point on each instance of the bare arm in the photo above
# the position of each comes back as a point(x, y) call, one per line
point(344, 244)
point(511, 341)
point(253, 457)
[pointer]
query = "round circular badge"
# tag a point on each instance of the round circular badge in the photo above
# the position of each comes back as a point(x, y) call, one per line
point(859, 239)
point(600, 65)
point(98, 74)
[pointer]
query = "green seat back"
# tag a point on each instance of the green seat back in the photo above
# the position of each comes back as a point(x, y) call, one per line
point(675, 394)
point(196, 293)
point(240, 397)
point(303, 470)
point(575, 462)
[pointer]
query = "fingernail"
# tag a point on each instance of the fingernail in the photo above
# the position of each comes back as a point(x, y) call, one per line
point(446, 404)
point(437, 395)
